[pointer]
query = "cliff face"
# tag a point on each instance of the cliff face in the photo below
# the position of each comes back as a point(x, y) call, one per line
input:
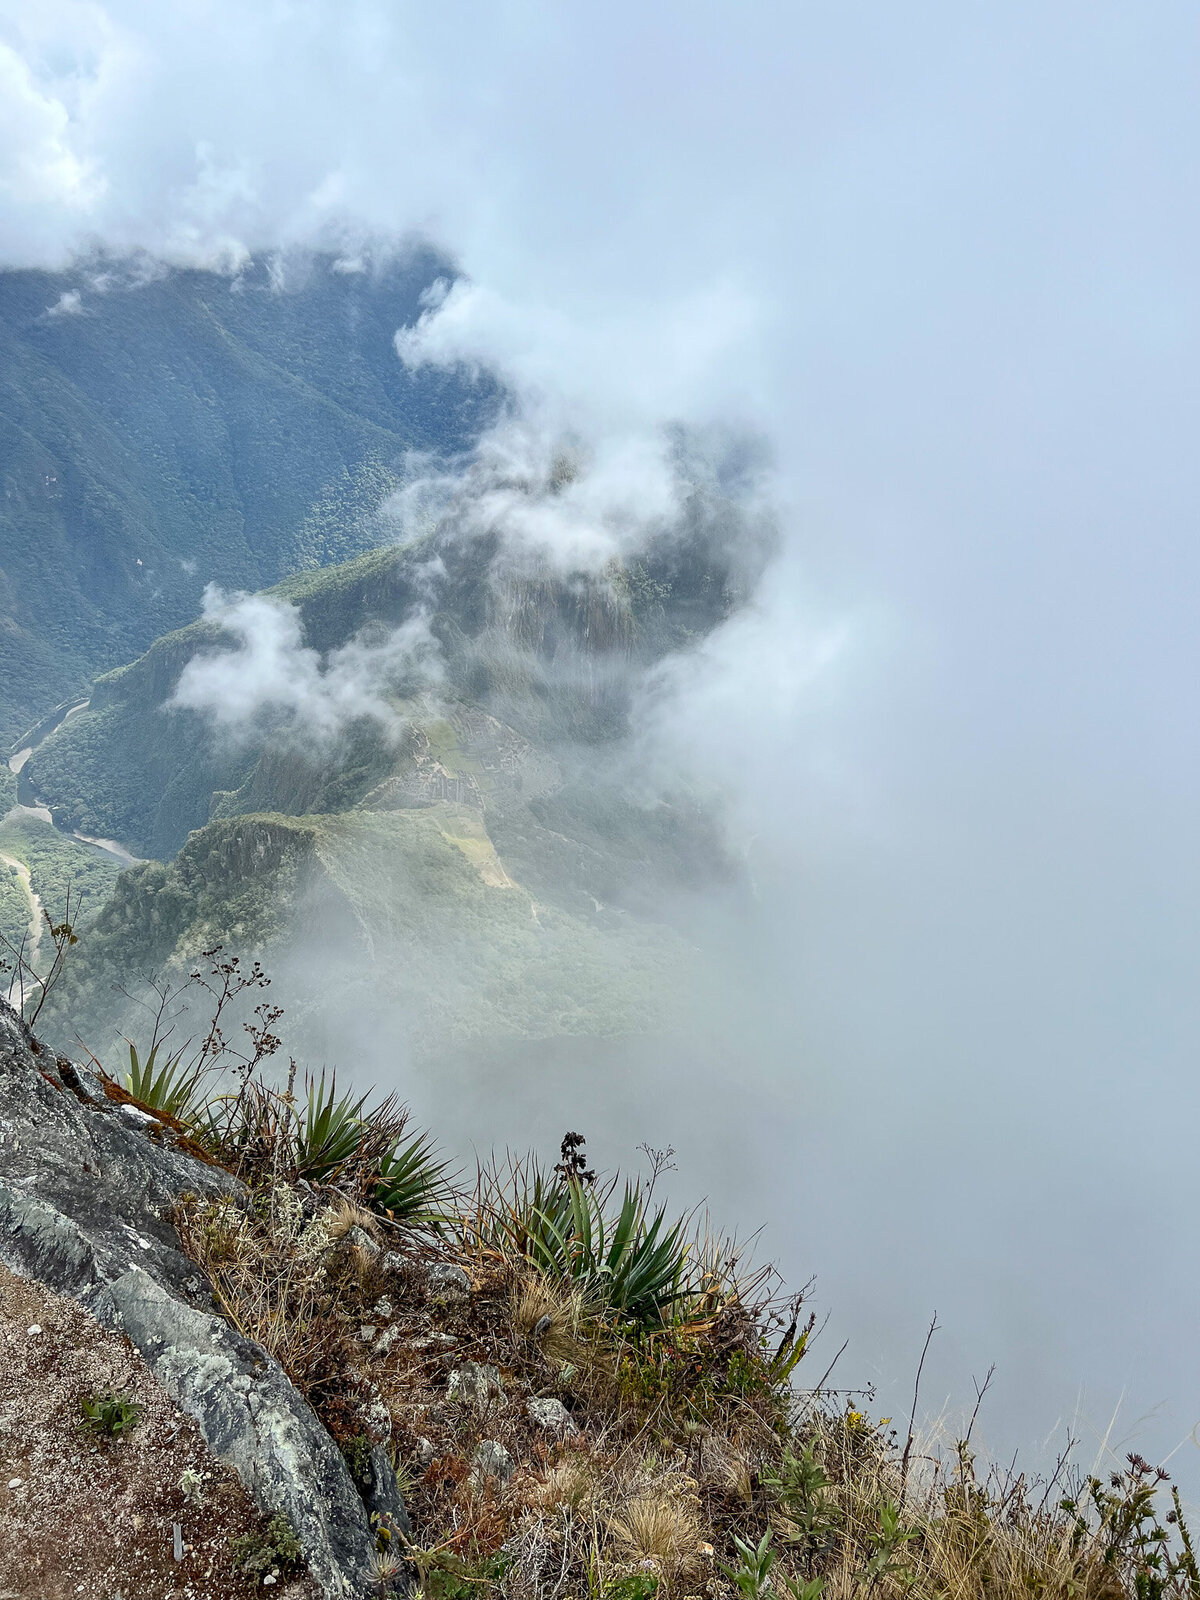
point(87, 1188)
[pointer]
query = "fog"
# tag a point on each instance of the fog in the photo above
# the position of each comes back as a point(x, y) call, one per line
point(943, 257)
point(269, 683)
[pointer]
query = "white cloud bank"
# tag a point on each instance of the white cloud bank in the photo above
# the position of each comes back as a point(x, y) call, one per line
point(269, 685)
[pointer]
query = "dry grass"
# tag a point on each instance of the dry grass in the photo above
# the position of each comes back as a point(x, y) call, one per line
point(550, 1316)
point(656, 1525)
point(690, 1436)
point(271, 1276)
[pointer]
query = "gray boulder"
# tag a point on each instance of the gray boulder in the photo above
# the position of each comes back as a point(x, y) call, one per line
point(448, 1283)
point(475, 1383)
point(492, 1460)
point(552, 1415)
point(86, 1193)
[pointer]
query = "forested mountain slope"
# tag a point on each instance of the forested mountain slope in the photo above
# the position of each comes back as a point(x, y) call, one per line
point(163, 429)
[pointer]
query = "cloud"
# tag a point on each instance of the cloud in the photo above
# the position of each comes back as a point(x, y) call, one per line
point(68, 304)
point(267, 685)
point(41, 168)
point(609, 433)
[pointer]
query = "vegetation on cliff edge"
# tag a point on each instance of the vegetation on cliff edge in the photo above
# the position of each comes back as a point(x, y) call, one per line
point(585, 1395)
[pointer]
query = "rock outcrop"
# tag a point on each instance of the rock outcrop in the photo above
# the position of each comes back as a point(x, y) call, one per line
point(86, 1192)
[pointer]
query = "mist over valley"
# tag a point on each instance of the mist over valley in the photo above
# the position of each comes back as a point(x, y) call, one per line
point(648, 588)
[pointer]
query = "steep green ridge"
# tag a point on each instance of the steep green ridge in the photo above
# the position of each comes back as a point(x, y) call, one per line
point(555, 660)
point(129, 769)
point(404, 912)
point(163, 429)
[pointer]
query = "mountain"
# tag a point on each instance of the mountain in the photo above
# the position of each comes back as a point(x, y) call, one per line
point(482, 858)
point(163, 428)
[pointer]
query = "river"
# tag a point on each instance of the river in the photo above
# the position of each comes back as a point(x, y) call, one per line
point(29, 804)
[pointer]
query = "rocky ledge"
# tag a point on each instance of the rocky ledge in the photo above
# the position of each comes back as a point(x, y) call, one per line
point(87, 1189)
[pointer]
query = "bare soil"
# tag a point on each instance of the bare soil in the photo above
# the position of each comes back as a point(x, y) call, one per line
point(92, 1518)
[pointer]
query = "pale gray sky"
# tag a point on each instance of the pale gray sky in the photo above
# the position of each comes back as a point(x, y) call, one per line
point(945, 255)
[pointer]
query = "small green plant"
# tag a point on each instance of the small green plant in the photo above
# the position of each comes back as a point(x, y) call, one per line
point(752, 1575)
point(385, 1568)
point(168, 1086)
point(1130, 1534)
point(803, 1588)
point(110, 1415)
point(275, 1548)
point(801, 1489)
point(411, 1180)
point(191, 1486)
point(889, 1541)
point(756, 1576)
point(457, 1579)
point(633, 1586)
point(357, 1453)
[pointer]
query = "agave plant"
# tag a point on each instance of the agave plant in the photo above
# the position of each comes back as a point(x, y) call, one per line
point(330, 1136)
point(249, 1128)
point(526, 1213)
point(635, 1265)
point(167, 1085)
point(411, 1180)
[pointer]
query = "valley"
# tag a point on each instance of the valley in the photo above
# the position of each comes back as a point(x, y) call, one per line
point(471, 860)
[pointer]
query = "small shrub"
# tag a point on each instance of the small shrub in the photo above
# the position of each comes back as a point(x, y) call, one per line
point(276, 1547)
point(752, 1575)
point(357, 1452)
point(110, 1415)
point(802, 1491)
point(456, 1579)
point(633, 1586)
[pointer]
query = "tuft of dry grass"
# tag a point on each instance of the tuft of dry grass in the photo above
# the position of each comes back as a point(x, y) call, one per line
point(570, 1487)
point(656, 1526)
point(345, 1216)
point(549, 1315)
